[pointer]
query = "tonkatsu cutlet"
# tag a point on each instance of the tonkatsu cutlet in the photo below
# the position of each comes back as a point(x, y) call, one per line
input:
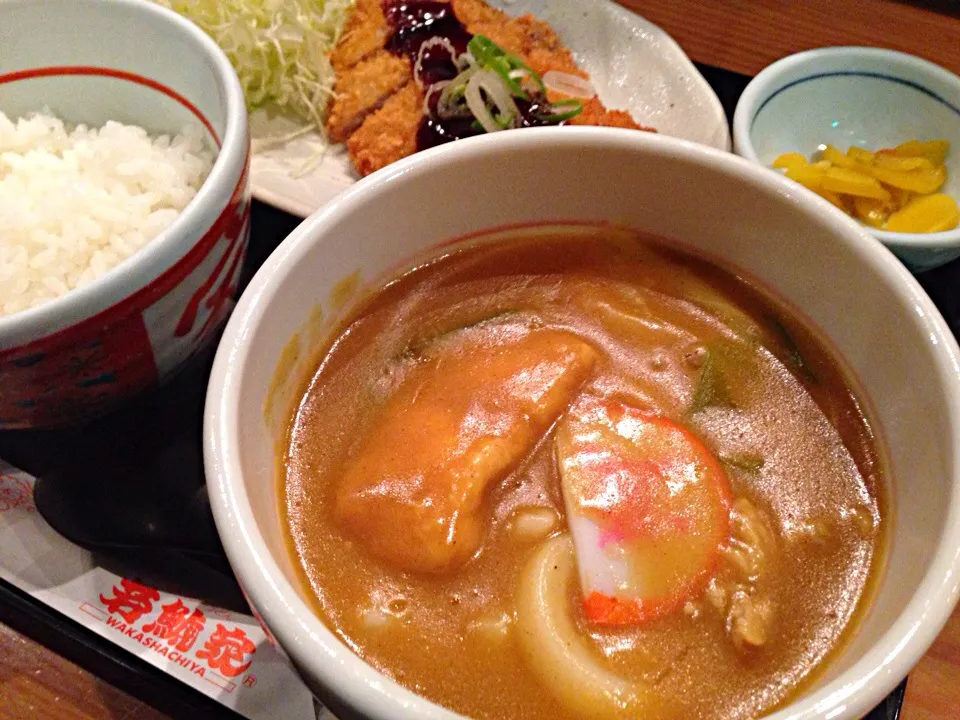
point(364, 33)
point(538, 45)
point(390, 133)
point(363, 88)
point(378, 105)
point(525, 36)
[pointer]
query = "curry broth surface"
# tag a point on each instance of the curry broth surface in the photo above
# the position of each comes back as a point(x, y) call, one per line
point(650, 311)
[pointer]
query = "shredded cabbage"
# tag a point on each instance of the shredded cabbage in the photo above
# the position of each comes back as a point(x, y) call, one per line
point(278, 48)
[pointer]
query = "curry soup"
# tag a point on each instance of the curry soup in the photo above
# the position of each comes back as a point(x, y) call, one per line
point(583, 475)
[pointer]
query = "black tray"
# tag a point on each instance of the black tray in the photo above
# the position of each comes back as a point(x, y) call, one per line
point(136, 477)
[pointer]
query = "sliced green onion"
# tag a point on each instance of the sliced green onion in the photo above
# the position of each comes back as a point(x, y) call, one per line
point(464, 60)
point(489, 80)
point(712, 388)
point(452, 102)
point(751, 462)
point(490, 55)
point(484, 49)
point(553, 115)
point(568, 84)
point(524, 75)
point(489, 84)
point(519, 64)
point(437, 87)
point(427, 46)
point(502, 68)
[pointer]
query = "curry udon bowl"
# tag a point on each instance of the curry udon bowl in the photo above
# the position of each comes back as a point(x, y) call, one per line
point(900, 354)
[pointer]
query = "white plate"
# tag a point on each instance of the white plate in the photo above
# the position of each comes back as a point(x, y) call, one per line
point(634, 65)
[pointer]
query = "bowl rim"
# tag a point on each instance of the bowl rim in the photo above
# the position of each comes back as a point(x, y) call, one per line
point(149, 262)
point(758, 91)
point(312, 645)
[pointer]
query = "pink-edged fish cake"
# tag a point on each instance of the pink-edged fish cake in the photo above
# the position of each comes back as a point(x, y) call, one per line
point(648, 507)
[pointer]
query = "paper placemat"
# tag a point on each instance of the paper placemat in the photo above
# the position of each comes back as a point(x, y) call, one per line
point(223, 654)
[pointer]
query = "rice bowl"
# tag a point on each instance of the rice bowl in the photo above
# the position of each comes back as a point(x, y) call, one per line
point(76, 202)
point(79, 354)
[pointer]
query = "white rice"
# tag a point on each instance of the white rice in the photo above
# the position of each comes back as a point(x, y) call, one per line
point(75, 203)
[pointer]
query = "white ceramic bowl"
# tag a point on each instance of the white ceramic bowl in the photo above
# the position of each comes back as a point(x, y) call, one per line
point(89, 61)
point(856, 96)
point(818, 259)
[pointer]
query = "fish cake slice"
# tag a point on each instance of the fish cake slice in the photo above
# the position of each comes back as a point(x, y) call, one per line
point(648, 508)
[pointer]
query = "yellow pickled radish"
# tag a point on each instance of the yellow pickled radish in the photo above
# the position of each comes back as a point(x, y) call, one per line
point(895, 162)
point(882, 189)
point(807, 175)
point(929, 213)
point(919, 181)
point(860, 154)
point(870, 211)
point(834, 156)
point(898, 198)
point(851, 182)
point(834, 198)
point(788, 160)
point(933, 150)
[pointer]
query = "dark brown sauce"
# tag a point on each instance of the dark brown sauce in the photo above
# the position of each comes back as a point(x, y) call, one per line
point(414, 22)
point(434, 131)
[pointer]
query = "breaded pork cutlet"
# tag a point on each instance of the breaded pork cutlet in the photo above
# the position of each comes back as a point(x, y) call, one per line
point(364, 33)
point(384, 120)
point(526, 36)
point(595, 113)
point(363, 88)
point(474, 12)
point(390, 133)
point(538, 45)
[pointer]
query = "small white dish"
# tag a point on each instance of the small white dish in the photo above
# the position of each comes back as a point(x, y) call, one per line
point(860, 96)
point(634, 65)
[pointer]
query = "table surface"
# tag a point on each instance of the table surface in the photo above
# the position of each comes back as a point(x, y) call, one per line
point(743, 36)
